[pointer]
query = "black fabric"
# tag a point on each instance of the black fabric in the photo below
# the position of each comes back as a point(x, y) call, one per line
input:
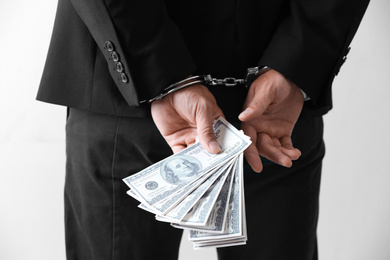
point(282, 203)
point(103, 222)
point(164, 41)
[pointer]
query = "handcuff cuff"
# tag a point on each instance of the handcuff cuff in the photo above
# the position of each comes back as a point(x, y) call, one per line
point(252, 74)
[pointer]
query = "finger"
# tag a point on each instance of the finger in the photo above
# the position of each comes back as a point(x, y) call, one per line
point(177, 148)
point(276, 142)
point(288, 149)
point(253, 158)
point(267, 149)
point(292, 154)
point(256, 106)
point(206, 135)
point(190, 140)
point(251, 153)
point(285, 146)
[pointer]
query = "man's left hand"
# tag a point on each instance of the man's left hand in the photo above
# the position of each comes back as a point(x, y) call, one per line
point(271, 110)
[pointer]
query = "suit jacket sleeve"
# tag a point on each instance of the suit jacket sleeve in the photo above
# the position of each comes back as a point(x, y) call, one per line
point(311, 44)
point(149, 47)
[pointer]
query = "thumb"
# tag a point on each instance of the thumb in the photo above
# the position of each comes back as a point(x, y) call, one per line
point(255, 107)
point(207, 137)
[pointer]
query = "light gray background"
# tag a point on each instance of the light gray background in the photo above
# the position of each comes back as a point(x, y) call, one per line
point(355, 209)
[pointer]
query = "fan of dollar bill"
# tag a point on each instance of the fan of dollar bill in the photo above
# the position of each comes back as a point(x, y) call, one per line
point(196, 190)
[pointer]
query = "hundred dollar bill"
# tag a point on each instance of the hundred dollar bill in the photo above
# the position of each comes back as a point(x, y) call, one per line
point(209, 214)
point(228, 241)
point(168, 176)
point(220, 243)
point(132, 194)
point(166, 205)
point(234, 228)
point(211, 185)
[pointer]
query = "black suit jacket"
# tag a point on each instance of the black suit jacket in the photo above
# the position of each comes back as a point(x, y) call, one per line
point(107, 55)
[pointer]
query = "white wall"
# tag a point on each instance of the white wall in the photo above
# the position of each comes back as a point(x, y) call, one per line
point(355, 199)
point(355, 209)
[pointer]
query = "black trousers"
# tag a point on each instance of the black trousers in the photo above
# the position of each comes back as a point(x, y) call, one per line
point(102, 222)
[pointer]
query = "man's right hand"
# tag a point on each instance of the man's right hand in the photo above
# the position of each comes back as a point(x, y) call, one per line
point(185, 114)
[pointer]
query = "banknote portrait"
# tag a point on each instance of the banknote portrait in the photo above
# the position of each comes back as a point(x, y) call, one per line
point(180, 169)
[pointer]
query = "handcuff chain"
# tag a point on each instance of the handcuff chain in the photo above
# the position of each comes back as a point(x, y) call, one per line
point(252, 73)
point(228, 82)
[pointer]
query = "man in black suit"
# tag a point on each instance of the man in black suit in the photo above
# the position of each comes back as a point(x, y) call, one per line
point(109, 59)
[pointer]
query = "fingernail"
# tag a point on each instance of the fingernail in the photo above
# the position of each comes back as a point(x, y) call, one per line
point(245, 112)
point(214, 146)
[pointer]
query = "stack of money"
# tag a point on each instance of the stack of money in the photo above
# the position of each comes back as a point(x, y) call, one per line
point(199, 191)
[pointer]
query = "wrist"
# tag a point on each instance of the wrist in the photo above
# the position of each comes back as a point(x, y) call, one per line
point(189, 81)
point(253, 73)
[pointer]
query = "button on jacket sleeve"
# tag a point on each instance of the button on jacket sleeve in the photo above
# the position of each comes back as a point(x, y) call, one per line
point(148, 44)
